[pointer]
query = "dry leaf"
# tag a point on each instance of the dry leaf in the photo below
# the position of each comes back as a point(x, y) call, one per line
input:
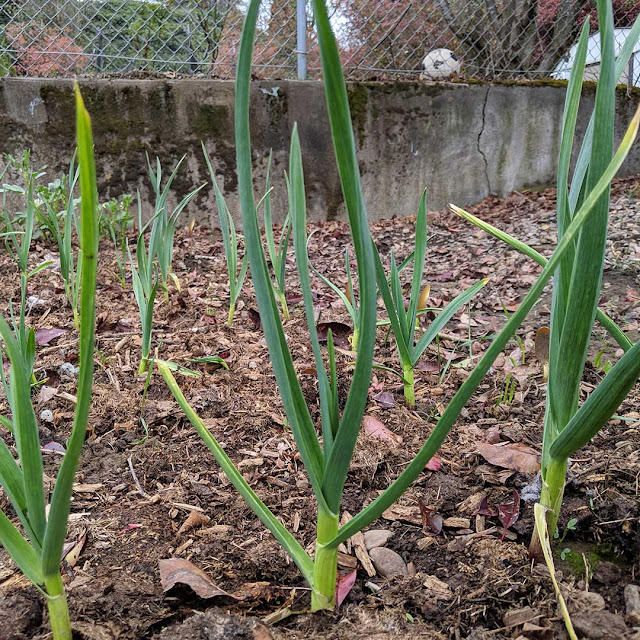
point(515, 456)
point(180, 571)
point(344, 585)
point(376, 429)
point(194, 519)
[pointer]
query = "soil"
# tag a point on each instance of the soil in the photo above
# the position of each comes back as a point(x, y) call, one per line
point(148, 489)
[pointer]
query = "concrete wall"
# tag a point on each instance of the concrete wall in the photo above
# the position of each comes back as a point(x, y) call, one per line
point(461, 142)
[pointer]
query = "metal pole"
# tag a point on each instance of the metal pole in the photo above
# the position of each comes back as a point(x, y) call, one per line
point(302, 39)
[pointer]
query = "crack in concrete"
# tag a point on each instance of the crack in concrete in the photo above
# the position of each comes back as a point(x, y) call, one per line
point(480, 151)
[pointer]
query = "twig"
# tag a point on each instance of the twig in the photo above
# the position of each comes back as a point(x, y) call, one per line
point(135, 479)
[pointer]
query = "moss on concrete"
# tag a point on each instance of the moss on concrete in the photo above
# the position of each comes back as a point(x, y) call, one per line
point(358, 100)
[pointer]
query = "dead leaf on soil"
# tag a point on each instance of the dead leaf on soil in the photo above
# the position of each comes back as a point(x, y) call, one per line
point(47, 334)
point(509, 513)
point(339, 331)
point(180, 571)
point(515, 456)
point(385, 400)
point(46, 393)
point(344, 585)
point(434, 464)
point(375, 429)
point(431, 519)
point(71, 552)
point(194, 519)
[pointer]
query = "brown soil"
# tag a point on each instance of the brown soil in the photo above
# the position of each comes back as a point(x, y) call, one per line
point(136, 488)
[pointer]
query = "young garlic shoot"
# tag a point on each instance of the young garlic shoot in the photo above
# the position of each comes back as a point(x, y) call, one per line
point(38, 553)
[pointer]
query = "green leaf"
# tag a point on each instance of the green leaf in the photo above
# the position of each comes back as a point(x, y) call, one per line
point(60, 500)
point(420, 252)
point(20, 551)
point(344, 144)
point(298, 213)
point(615, 332)
point(600, 406)
point(26, 433)
point(288, 384)
point(443, 317)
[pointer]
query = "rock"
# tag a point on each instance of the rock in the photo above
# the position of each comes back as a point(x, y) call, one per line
point(516, 617)
point(387, 562)
point(632, 603)
point(376, 538)
point(607, 573)
point(599, 625)
point(584, 601)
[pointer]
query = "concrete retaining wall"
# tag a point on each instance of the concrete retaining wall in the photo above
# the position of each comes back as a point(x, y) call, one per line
point(461, 142)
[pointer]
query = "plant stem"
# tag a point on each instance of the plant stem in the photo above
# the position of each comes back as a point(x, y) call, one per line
point(232, 310)
point(143, 365)
point(283, 304)
point(325, 563)
point(354, 337)
point(58, 608)
point(553, 479)
point(409, 387)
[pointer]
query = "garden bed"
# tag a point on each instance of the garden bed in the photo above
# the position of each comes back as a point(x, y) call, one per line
point(148, 489)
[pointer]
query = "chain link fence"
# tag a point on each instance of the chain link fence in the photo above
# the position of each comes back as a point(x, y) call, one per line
point(379, 39)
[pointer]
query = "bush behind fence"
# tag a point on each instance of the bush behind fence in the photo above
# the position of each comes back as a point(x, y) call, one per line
point(378, 39)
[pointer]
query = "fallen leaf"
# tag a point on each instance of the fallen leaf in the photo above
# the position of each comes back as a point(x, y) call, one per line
point(515, 456)
point(344, 585)
point(180, 571)
point(509, 513)
point(46, 393)
point(434, 464)
point(53, 447)
point(542, 344)
point(46, 335)
point(194, 519)
point(431, 520)
point(339, 331)
point(385, 400)
point(376, 429)
point(72, 553)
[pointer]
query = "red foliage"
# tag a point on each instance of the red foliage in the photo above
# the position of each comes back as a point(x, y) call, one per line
point(43, 51)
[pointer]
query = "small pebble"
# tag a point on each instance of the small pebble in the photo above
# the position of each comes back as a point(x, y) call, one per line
point(46, 415)
point(376, 538)
point(387, 562)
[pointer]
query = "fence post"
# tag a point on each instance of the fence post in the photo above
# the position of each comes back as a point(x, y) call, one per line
point(302, 39)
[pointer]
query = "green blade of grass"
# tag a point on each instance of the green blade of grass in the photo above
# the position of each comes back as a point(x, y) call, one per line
point(60, 500)
point(344, 146)
point(443, 317)
point(288, 384)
